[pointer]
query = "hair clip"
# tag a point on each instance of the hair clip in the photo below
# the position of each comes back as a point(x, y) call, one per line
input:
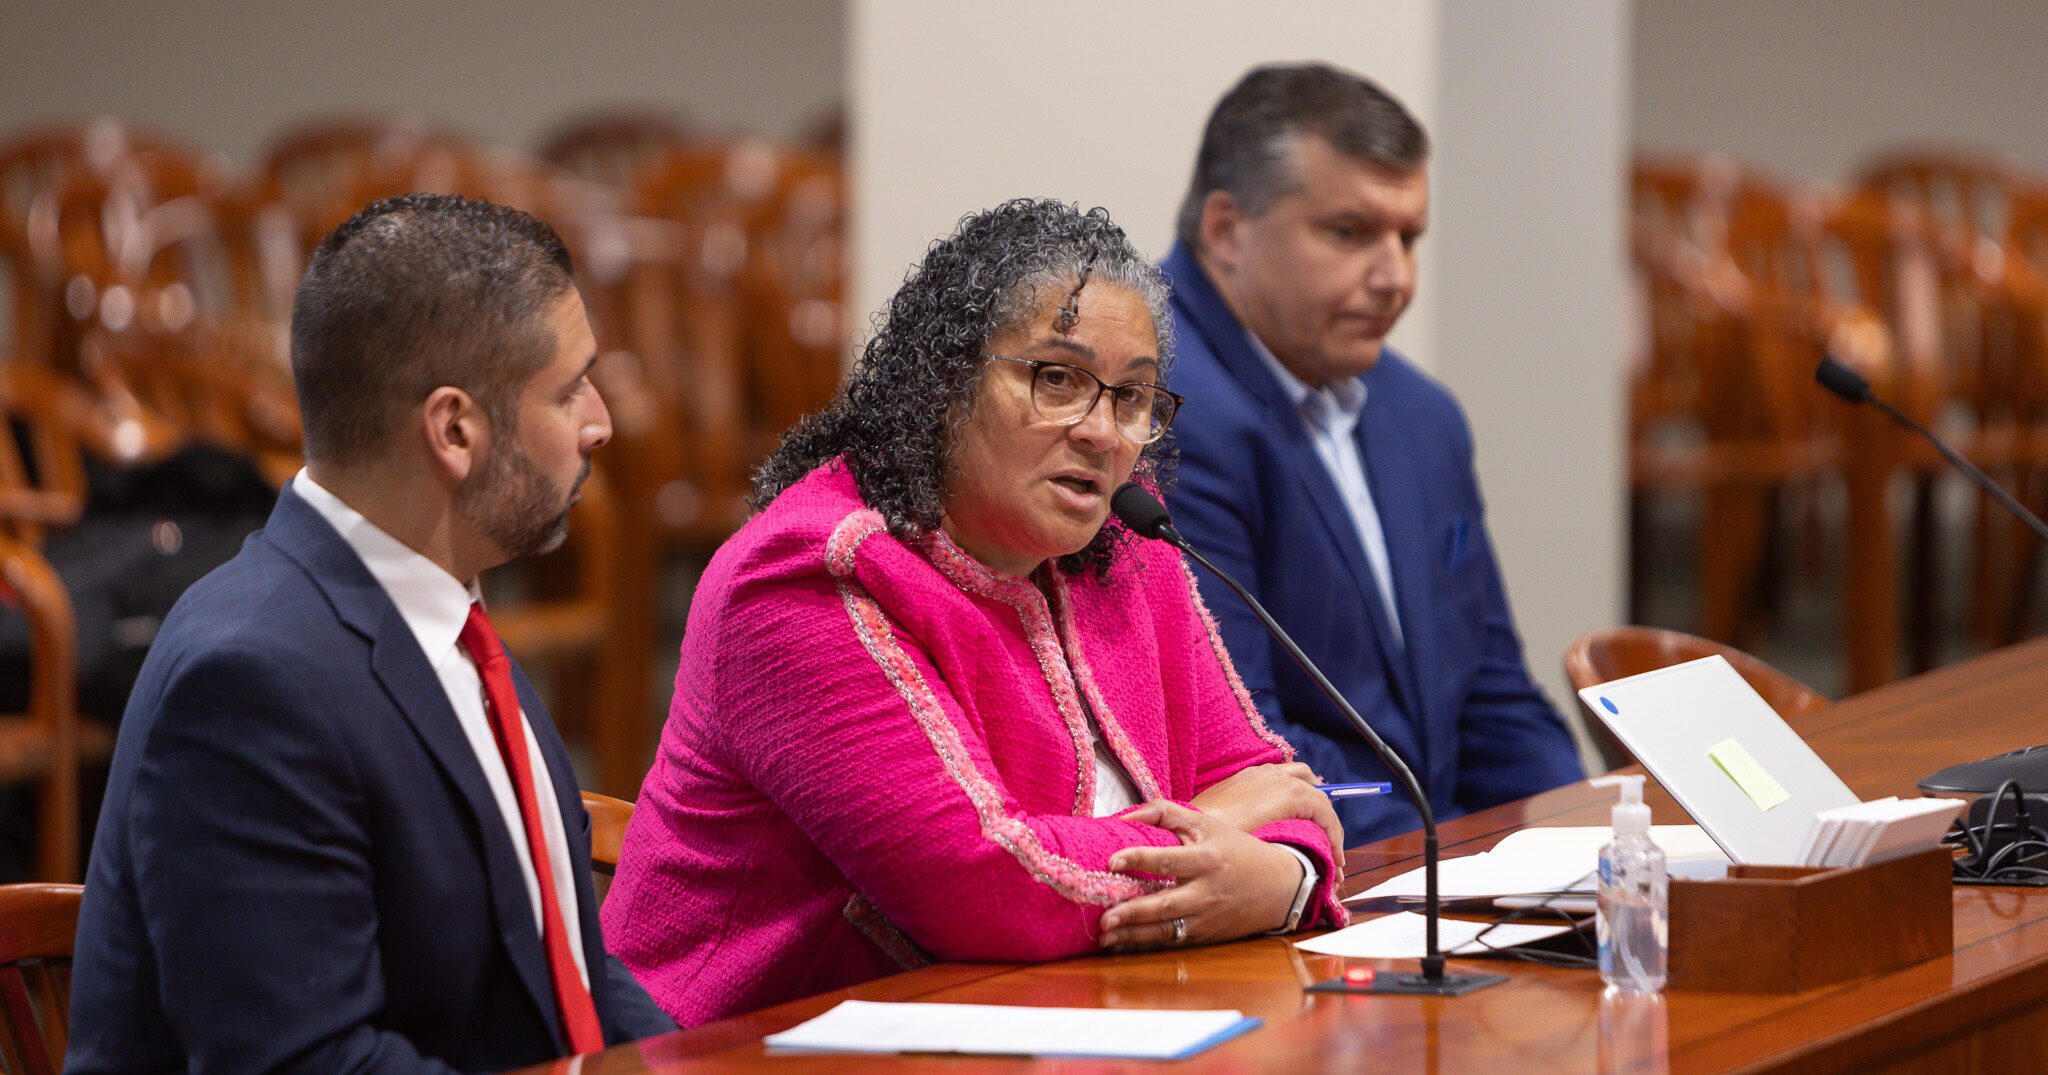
point(1070, 310)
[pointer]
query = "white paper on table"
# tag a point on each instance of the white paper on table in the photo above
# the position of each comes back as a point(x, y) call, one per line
point(1680, 843)
point(1400, 936)
point(861, 1026)
point(1539, 861)
point(1486, 875)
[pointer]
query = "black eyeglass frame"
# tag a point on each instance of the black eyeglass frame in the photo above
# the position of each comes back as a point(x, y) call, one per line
point(1038, 366)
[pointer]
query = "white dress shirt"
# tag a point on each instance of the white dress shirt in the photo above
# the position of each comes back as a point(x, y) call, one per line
point(435, 605)
point(1330, 414)
point(1115, 792)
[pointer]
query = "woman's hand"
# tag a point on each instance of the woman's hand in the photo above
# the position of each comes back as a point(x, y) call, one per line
point(1258, 795)
point(1227, 883)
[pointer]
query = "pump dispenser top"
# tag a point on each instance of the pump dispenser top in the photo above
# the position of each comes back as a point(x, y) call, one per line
point(1631, 816)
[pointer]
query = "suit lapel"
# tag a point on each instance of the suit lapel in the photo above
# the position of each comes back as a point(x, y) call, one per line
point(1404, 524)
point(416, 692)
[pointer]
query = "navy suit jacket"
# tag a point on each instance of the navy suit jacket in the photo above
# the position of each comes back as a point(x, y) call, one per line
point(299, 866)
point(1452, 696)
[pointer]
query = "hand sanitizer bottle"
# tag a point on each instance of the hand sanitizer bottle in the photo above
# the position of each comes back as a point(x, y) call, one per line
point(1634, 895)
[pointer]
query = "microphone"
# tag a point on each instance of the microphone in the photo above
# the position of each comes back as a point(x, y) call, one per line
point(1142, 514)
point(1850, 385)
point(2028, 766)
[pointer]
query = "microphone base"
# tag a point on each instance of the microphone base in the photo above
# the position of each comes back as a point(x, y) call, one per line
point(2028, 766)
point(1412, 984)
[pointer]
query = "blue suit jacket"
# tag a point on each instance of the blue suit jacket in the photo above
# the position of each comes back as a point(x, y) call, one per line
point(1453, 697)
point(299, 866)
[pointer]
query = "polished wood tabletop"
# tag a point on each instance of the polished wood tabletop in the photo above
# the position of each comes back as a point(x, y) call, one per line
point(1980, 1007)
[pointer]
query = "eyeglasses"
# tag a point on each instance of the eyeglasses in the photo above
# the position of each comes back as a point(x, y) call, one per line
point(1067, 395)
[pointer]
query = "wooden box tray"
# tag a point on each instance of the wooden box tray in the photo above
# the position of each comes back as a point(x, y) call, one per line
point(1782, 929)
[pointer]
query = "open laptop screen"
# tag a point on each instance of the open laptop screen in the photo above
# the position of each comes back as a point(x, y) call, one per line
point(1727, 757)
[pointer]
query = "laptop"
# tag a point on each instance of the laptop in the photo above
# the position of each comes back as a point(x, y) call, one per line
point(1706, 735)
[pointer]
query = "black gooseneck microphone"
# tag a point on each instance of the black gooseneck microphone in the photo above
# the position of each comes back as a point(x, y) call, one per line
point(1850, 385)
point(1143, 514)
point(2027, 766)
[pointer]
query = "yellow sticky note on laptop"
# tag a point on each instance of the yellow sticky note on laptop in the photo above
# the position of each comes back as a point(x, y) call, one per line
point(1742, 768)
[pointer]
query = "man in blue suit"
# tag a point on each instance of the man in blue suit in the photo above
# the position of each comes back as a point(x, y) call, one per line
point(341, 833)
point(1327, 473)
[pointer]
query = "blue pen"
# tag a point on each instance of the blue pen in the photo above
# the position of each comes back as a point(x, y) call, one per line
point(1348, 791)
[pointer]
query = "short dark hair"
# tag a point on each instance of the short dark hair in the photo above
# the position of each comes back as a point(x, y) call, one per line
point(413, 293)
point(1248, 146)
point(893, 419)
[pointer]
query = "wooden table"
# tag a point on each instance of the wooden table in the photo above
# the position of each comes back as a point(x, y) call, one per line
point(1986, 1005)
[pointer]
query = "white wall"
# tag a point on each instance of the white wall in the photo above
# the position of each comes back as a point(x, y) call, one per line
point(227, 75)
point(1526, 254)
point(1810, 89)
point(962, 105)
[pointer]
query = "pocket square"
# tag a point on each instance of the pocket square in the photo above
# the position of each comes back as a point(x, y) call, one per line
point(1457, 544)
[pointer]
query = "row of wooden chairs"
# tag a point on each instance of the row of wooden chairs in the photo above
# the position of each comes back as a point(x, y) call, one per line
point(1745, 283)
point(144, 299)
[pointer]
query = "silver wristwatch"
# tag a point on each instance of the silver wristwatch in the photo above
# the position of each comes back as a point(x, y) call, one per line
point(1309, 879)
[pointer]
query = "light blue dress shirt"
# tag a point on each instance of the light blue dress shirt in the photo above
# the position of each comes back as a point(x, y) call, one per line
point(1330, 414)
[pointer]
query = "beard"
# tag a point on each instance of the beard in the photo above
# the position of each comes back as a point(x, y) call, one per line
point(516, 506)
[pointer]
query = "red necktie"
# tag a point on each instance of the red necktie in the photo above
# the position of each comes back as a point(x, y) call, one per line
point(579, 1015)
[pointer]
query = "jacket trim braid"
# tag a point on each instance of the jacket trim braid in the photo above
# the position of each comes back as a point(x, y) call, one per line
point(871, 625)
point(1252, 715)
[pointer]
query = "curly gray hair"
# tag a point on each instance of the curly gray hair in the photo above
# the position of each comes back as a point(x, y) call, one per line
point(894, 418)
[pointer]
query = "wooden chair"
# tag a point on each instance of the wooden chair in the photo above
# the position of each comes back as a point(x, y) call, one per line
point(615, 145)
point(795, 339)
point(316, 174)
point(79, 243)
point(1961, 189)
point(2005, 592)
point(1968, 305)
point(608, 818)
point(1615, 652)
point(37, 161)
point(42, 486)
point(1723, 404)
point(324, 169)
point(38, 929)
point(205, 347)
point(45, 744)
point(731, 313)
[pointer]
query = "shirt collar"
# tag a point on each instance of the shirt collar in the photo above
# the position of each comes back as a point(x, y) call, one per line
point(433, 603)
point(1343, 398)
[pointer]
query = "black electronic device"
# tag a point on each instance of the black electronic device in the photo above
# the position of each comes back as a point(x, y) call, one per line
point(2029, 765)
point(1143, 514)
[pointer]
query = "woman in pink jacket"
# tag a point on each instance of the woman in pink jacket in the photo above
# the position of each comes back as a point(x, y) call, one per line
point(934, 704)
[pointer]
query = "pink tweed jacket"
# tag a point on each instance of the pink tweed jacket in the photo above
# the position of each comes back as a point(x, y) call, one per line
point(876, 757)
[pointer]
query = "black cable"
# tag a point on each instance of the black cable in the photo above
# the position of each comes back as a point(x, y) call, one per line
point(2002, 852)
point(1545, 906)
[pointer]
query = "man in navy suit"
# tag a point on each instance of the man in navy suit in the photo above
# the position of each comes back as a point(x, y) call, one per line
point(1326, 472)
point(341, 834)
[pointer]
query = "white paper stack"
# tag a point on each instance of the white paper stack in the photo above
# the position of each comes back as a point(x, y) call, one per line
point(1877, 830)
point(1531, 865)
